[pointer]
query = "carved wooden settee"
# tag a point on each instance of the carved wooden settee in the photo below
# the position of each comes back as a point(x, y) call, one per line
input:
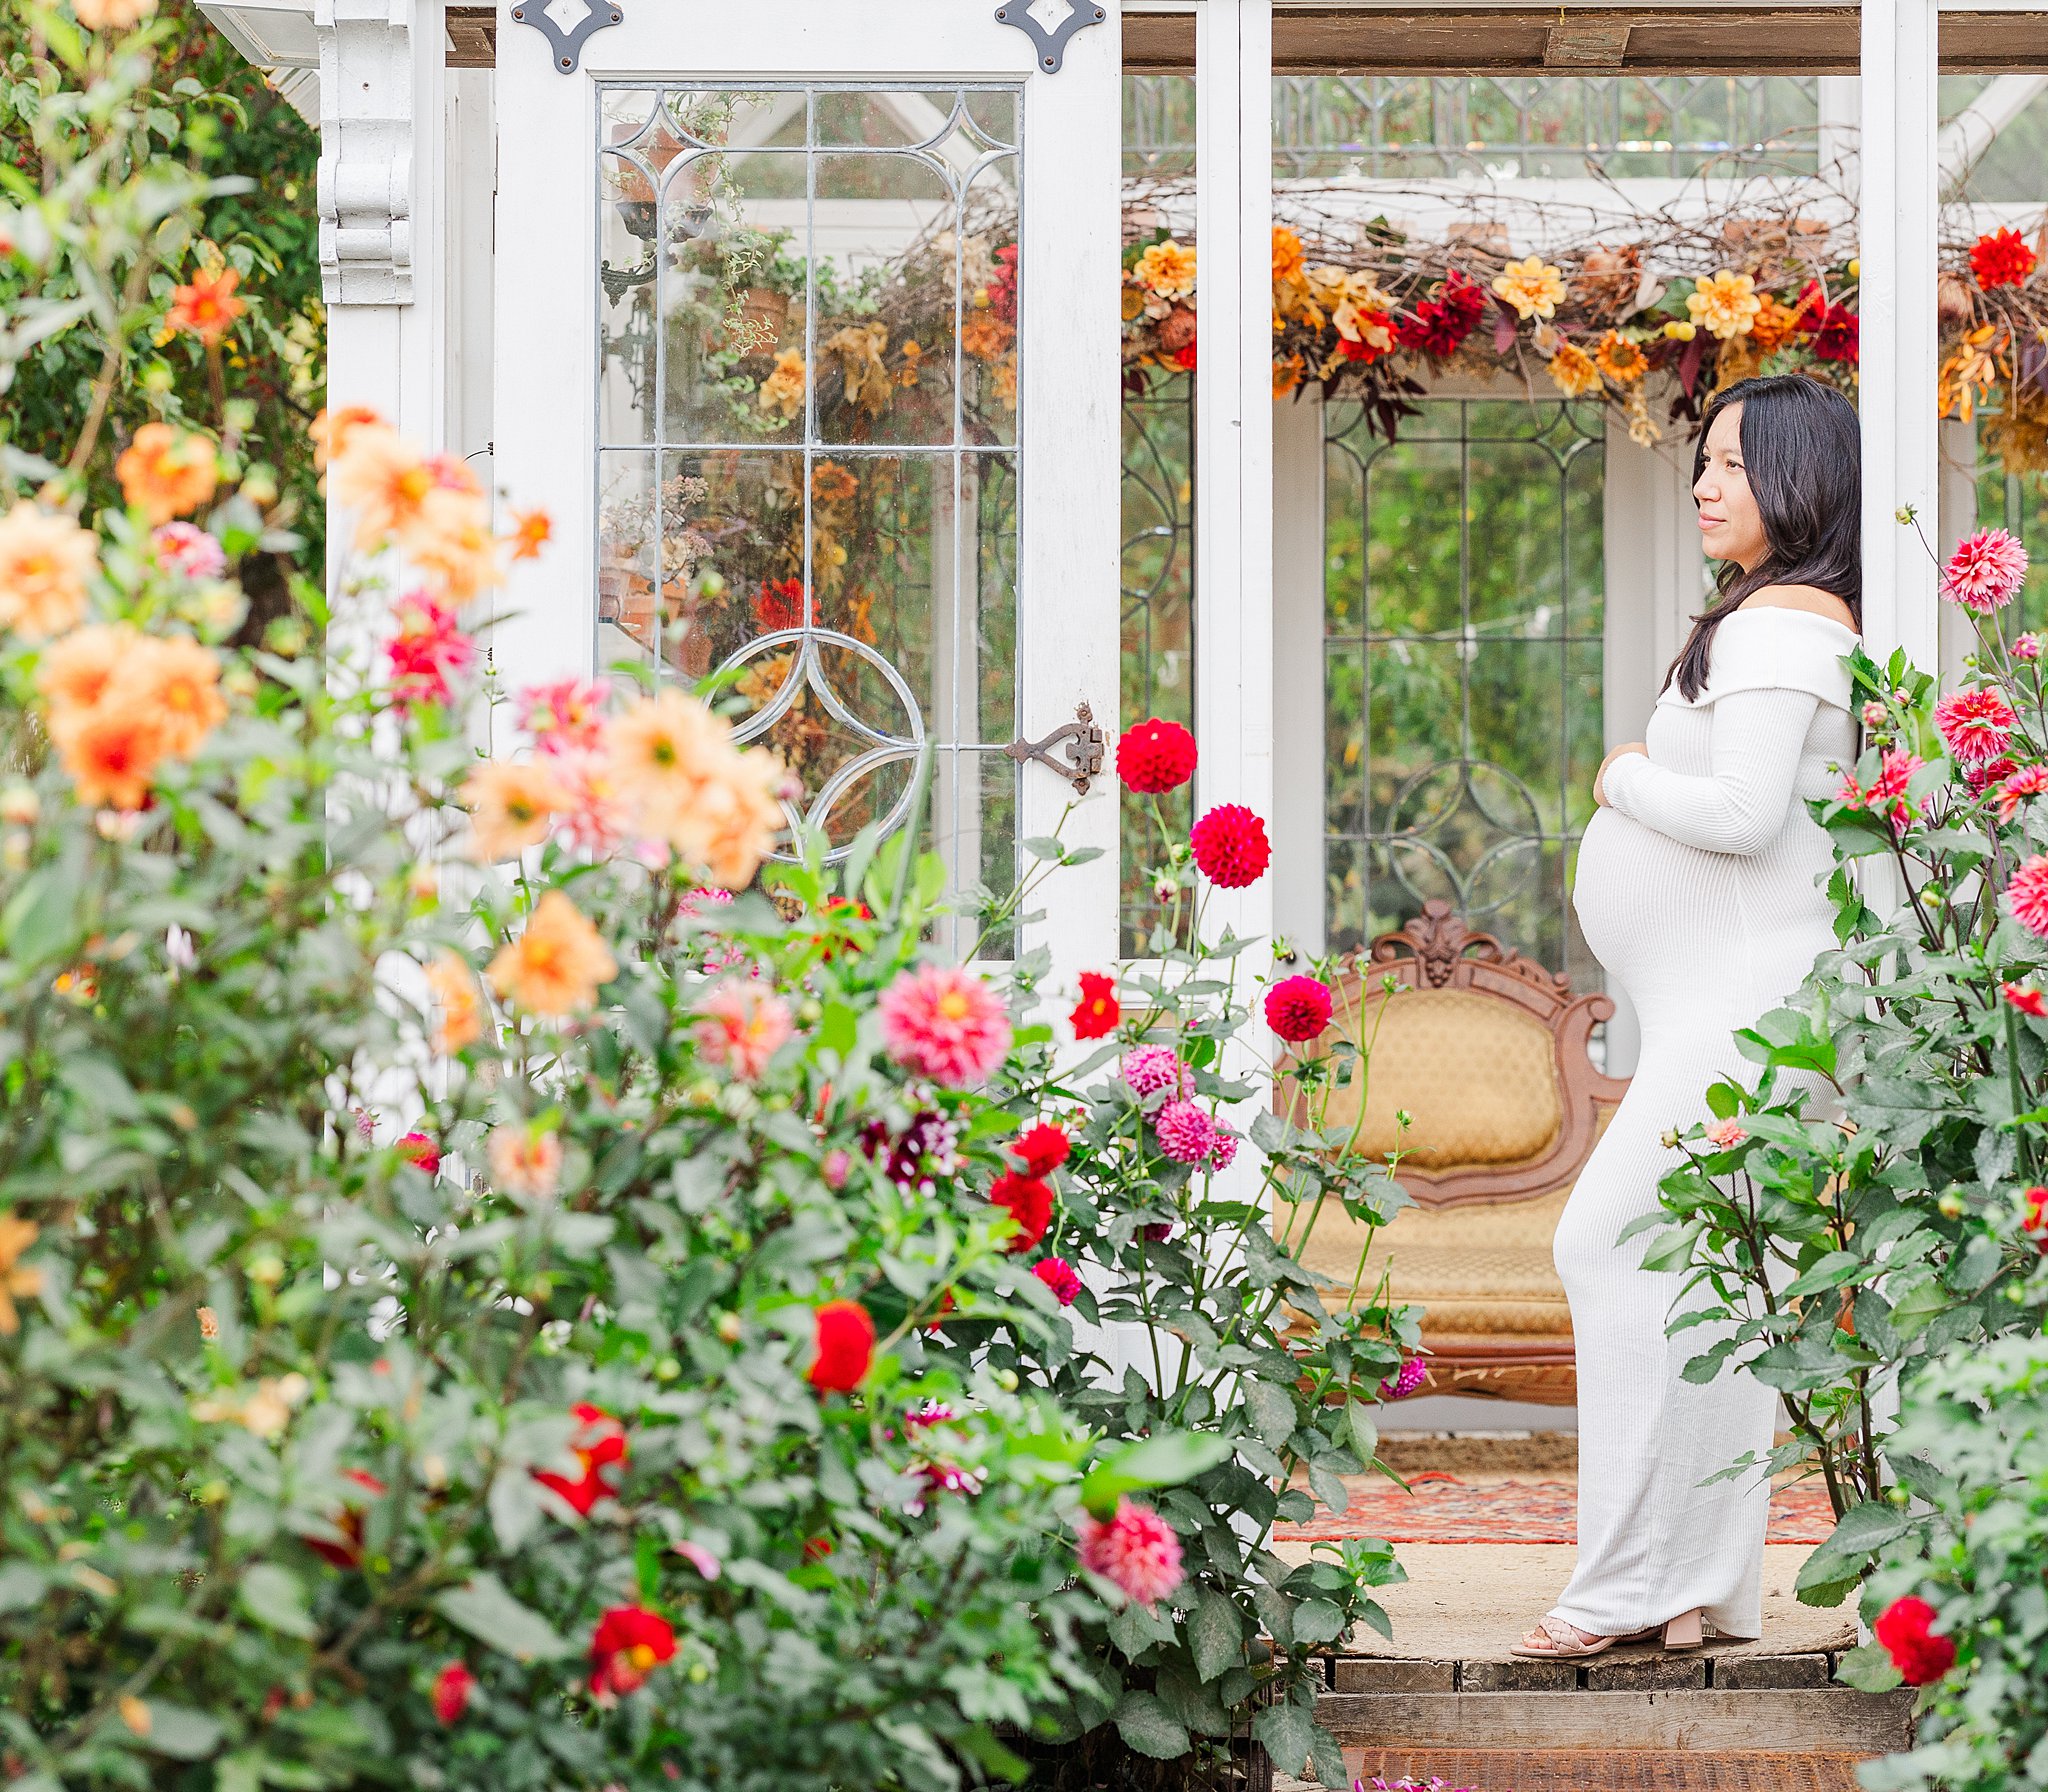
point(1486, 1050)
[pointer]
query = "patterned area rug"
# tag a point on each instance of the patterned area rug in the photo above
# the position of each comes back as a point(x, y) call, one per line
point(1443, 1509)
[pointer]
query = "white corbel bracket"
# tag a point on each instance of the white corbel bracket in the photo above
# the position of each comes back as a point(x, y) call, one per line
point(366, 151)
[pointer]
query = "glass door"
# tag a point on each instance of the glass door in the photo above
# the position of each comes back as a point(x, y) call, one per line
point(809, 337)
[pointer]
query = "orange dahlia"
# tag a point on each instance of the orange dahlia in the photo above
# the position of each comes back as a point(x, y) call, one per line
point(207, 307)
point(164, 474)
point(555, 967)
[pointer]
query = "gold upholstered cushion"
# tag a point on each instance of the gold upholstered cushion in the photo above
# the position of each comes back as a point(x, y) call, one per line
point(1477, 1075)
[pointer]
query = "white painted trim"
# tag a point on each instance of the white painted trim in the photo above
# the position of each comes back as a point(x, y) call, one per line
point(1300, 899)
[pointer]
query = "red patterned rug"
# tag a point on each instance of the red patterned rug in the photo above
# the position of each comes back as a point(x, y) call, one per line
point(1443, 1509)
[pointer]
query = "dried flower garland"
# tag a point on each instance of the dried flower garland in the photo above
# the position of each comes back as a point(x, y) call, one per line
point(1371, 313)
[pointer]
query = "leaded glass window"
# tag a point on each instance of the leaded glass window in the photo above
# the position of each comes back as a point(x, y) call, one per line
point(1463, 624)
point(806, 422)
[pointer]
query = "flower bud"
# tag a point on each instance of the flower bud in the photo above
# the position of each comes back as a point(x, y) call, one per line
point(729, 1327)
point(1952, 1205)
point(20, 806)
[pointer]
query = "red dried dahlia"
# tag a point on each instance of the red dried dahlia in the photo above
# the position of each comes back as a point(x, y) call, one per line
point(2001, 258)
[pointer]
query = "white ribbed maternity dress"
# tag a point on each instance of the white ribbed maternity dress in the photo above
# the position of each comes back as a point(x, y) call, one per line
point(1696, 889)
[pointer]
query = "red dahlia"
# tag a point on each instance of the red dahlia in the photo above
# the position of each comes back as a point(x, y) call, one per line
point(1041, 1149)
point(1298, 1008)
point(1097, 1014)
point(1028, 1201)
point(2027, 1001)
point(419, 1150)
point(1155, 756)
point(598, 1444)
point(844, 1336)
point(629, 1643)
point(2001, 258)
point(452, 1687)
point(1231, 846)
point(1061, 1277)
point(2034, 1216)
point(1837, 338)
point(1906, 1629)
point(349, 1522)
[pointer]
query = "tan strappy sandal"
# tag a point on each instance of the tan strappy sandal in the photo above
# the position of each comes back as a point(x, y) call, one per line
point(1686, 1631)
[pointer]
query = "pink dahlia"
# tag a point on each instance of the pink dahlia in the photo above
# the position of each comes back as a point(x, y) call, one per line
point(1298, 1008)
point(1135, 1550)
point(945, 1023)
point(1223, 1148)
point(2026, 897)
point(1986, 572)
point(1149, 1069)
point(1186, 1134)
point(187, 550)
point(2026, 647)
point(1989, 772)
point(565, 716)
point(2029, 780)
point(740, 1026)
point(427, 653)
point(1723, 1135)
point(1404, 1381)
point(1888, 793)
point(1061, 1277)
point(1976, 724)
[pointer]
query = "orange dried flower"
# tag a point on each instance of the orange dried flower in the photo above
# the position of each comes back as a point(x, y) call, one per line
point(1620, 360)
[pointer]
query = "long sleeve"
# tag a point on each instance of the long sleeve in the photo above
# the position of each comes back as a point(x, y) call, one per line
point(1741, 805)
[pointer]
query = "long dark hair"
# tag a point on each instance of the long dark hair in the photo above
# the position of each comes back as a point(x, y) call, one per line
point(1802, 452)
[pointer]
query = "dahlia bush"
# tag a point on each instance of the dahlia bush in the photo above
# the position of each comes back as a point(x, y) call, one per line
point(1166, 1204)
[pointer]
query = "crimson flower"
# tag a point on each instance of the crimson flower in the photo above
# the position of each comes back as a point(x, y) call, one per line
point(349, 1522)
point(629, 1643)
point(1135, 1549)
point(599, 1444)
point(1155, 756)
point(2001, 258)
point(1905, 1628)
point(1298, 1008)
point(1097, 1014)
point(452, 1687)
point(1987, 772)
point(1041, 1149)
point(779, 604)
point(1976, 725)
point(1002, 290)
point(1405, 1380)
point(1838, 337)
point(2026, 999)
point(420, 1151)
point(428, 652)
point(1028, 1201)
point(844, 1336)
point(1061, 1277)
point(1231, 848)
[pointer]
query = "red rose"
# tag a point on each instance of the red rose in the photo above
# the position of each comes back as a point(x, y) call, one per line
point(845, 1346)
point(2034, 1221)
point(452, 1687)
point(2001, 258)
point(629, 1643)
point(419, 1150)
point(1096, 1015)
point(1060, 1276)
point(349, 1522)
point(1026, 1200)
point(599, 1443)
point(1906, 1631)
point(1231, 846)
point(1041, 1150)
point(1298, 1009)
point(1155, 756)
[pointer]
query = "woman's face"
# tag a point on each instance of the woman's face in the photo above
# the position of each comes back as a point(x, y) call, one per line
point(1731, 527)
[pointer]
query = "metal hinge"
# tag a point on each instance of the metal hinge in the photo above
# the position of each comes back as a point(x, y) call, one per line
point(1084, 742)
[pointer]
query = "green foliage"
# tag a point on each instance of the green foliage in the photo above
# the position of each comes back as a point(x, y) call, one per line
point(181, 159)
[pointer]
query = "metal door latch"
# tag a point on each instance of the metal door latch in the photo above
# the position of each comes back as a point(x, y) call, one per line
point(1085, 744)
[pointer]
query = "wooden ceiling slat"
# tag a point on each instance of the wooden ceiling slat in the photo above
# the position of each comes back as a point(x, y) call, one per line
point(1693, 40)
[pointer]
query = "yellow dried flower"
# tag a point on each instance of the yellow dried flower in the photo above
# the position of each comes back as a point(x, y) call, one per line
point(1533, 287)
point(1167, 269)
point(1572, 371)
point(1620, 359)
point(1725, 303)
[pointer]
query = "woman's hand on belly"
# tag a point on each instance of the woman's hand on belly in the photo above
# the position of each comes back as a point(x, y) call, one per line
point(1600, 777)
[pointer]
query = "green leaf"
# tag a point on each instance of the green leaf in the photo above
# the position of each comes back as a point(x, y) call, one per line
point(1215, 1634)
point(482, 1607)
point(1862, 1532)
point(1148, 1727)
point(274, 1598)
point(1272, 1411)
point(1831, 1271)
point(180, 1732)
point(1287, 1732)
point(1868, 1669)
point(1365, 1431)
point(1162, 1461)
point(1318, 1621)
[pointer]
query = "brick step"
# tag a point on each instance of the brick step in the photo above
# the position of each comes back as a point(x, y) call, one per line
point(1601, 1770)
point(1812, 1720)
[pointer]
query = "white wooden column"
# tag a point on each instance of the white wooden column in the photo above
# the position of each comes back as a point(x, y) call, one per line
point(1234, 427)
point(1899, 199)
point(1299, 762)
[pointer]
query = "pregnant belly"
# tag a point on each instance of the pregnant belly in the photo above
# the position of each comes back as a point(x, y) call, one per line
point(1637, 893)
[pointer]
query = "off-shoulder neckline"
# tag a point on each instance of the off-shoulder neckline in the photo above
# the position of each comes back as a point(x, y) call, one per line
point(1792, 610)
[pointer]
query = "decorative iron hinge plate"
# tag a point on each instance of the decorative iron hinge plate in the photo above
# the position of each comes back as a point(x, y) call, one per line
point(1085, 746)
point(568, 45)
point(1050, 45)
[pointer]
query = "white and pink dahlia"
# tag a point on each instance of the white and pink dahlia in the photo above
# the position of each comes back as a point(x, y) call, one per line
point(1134, 1550)
point(741, 1025)
point(2026, 897)
point(1985, 572)
point(1976, 725)
point(2029, 780)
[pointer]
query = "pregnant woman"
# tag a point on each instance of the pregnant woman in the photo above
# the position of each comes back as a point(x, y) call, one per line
point(1697, 890)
